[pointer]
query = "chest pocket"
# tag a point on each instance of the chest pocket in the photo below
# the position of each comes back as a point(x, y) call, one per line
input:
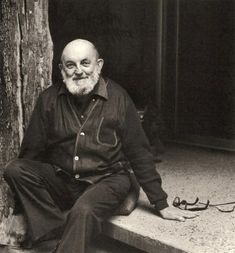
point(106, 133)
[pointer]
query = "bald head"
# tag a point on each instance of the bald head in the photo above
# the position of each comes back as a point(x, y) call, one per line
point(78, 46)
point(80, 66)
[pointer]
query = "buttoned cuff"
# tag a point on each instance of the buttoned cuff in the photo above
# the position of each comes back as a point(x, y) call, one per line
point(161, 204)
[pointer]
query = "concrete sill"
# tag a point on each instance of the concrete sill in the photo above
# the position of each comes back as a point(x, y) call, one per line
point(187, 173)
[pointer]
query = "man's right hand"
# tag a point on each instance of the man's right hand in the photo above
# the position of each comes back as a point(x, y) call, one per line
point(172, 213)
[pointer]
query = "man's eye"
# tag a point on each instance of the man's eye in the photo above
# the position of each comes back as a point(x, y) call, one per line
point(70, 66)
point(85, 63)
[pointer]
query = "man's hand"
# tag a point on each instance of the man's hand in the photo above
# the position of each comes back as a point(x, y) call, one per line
point(172, 213)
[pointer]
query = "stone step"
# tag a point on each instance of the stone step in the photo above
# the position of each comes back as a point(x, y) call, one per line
point(187, 173)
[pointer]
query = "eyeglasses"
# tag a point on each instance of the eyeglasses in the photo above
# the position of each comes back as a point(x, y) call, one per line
point(185, 205)
point(199, 206)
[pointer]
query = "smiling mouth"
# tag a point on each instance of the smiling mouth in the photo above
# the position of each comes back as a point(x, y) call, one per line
point(78, 78)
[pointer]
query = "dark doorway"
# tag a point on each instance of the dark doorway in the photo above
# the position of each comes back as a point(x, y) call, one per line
point(125, 32)
point(199, 87)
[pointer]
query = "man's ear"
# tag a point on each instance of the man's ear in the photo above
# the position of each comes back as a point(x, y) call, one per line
point(60, 66)
point(100, 63)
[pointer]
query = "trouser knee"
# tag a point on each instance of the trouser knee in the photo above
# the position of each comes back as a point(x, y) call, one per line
point(12, 170)
point(82, 209)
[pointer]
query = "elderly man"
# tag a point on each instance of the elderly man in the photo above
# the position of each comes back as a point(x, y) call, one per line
point(82, 135)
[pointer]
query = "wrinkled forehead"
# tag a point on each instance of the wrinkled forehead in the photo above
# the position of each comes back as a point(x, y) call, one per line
point(79, 50)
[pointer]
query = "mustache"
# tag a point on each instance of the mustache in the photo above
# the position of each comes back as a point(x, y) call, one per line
point(78, 78)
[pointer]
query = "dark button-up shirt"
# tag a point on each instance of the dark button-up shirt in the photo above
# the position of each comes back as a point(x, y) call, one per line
point(91, 136)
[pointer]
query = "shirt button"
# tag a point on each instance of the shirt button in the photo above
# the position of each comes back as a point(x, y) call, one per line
point(77, 176)
point(82, 116)
point(76, 158)
point(93, 99)
point(82, 133)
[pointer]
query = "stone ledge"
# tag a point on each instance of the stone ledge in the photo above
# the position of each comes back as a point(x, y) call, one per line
point(135, 230)
point(211, 232)
point(187, 173)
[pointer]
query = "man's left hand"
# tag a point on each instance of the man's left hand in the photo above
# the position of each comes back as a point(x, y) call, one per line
point(172, 213)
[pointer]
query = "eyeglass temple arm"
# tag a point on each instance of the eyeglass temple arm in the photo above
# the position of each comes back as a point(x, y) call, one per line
point(200, 208)
point(194, 203)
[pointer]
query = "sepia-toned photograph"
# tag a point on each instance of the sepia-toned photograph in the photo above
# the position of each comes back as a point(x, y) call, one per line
point(117, 126)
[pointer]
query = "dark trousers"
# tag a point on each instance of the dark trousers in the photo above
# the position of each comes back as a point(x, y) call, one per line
point(44, 196)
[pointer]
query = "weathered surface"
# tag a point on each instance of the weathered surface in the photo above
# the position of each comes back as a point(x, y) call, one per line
point(187, 173)
point(25, 69)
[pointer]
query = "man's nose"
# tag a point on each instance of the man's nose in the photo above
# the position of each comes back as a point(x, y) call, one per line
point(78, 70)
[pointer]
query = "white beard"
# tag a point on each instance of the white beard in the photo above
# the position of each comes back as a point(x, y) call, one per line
point(81, 87)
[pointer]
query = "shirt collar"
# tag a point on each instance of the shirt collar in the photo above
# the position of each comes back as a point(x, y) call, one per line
point(100, 89)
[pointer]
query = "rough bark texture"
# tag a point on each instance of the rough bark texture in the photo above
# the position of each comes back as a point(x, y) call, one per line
point(25, 70)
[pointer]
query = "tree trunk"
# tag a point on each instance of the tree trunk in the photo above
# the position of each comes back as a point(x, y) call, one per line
point(25, 70)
